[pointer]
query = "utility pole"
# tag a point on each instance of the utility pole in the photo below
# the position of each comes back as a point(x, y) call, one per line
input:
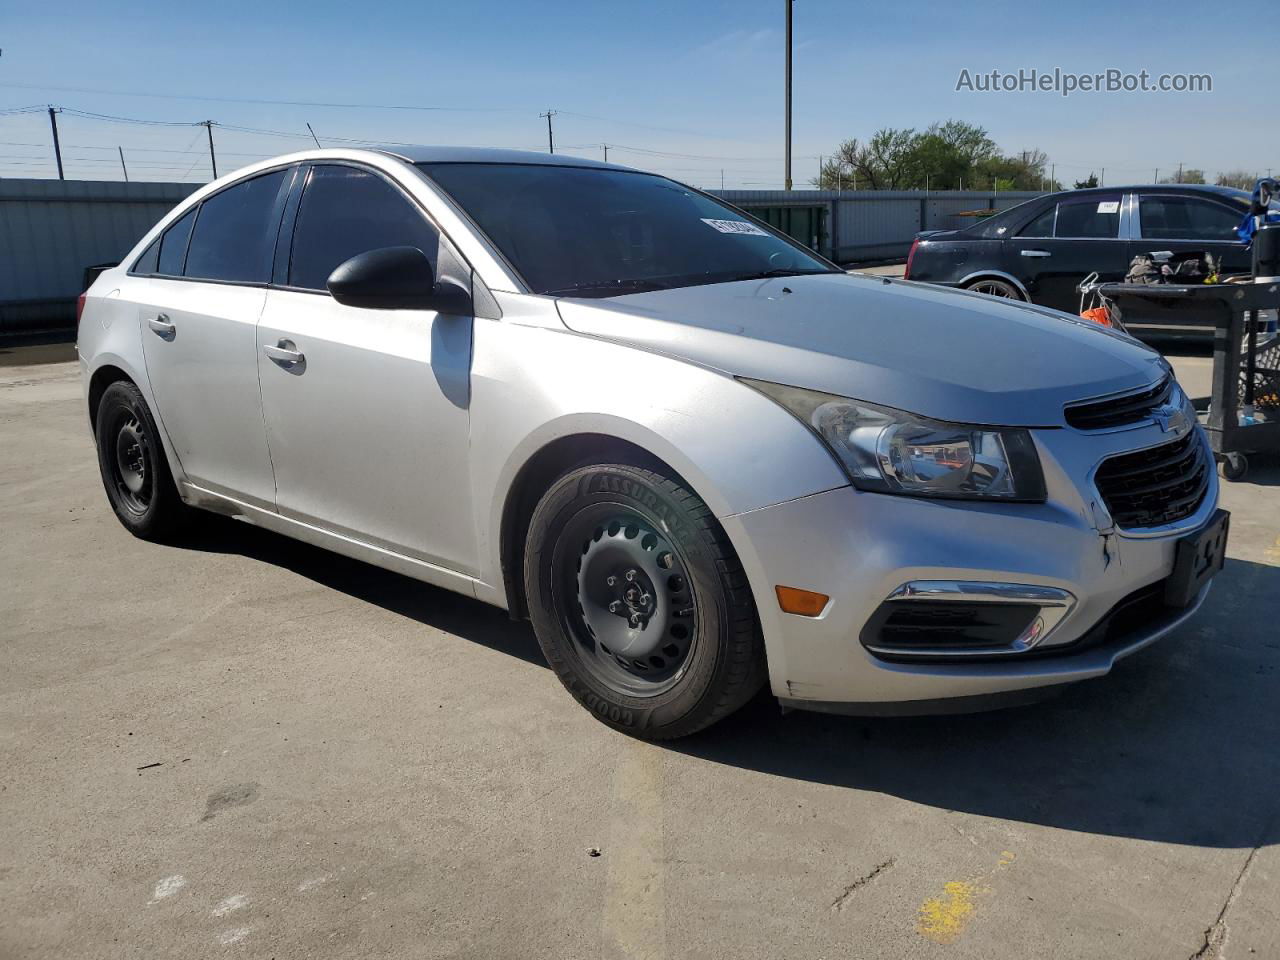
point(605, 148)
point(787, 167)
point(1157, 177)
point(1053, 174)
point(722, 178)
point(313, 135)
point(1179, 173)
point(551, 140)
point(122, 166)
point(213, 161)
point(57, 148)
point(1102, 180)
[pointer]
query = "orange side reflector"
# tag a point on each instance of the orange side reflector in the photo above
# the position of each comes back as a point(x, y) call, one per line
point(803, 603)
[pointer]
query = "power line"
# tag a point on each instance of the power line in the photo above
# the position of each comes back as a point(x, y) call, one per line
point(264, 101)
point(353, 105)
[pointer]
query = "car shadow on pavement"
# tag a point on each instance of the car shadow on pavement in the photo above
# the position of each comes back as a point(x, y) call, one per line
point(1177, 745)
point(445, 610)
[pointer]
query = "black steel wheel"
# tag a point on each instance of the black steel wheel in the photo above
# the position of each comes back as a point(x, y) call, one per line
point(632, 616)
point(639, 603)
point(134, 471)
point(995, 288)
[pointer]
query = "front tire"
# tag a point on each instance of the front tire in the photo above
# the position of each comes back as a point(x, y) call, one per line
point(639, 602)
point(134, 470)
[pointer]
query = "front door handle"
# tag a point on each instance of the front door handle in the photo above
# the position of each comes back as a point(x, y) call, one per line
point(161, 327)
point(1036, 253)
point(285, 353)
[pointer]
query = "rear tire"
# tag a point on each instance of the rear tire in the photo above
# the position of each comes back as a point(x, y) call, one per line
point(995, 288)
point(639, 602)
point(134, 469)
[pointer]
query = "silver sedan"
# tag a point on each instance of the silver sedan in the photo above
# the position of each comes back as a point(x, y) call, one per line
point(697, 456)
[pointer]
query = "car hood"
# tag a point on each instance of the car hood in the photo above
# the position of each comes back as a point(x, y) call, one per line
point(941, 353)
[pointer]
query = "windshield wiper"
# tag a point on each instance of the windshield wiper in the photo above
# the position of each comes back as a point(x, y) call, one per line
point(627, 285)
point(775, 272)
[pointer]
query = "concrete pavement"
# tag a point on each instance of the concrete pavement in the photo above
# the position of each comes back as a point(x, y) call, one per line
point(246, 747)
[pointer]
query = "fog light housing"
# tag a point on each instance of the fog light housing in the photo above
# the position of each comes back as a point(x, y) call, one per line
point(931, 619)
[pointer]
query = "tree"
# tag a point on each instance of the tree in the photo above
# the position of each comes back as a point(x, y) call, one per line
point(1190, 175)
point(884, 162)
point(1240, 179)
point(945, 156)
point(1088, 183)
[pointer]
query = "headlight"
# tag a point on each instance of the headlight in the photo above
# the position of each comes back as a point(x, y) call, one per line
point(892, 451)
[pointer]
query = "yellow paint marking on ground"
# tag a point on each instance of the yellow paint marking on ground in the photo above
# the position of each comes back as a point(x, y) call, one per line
point(942, 919)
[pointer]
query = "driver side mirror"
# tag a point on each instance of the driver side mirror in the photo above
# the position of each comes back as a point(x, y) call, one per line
point(395, 278)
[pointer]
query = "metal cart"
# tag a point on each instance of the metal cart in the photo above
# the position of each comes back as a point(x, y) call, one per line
point(1242, 414)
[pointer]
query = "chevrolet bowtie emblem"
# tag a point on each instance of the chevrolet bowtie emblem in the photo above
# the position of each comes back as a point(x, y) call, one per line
point(1171, 419)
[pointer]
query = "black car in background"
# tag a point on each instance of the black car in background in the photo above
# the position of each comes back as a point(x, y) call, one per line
point(1040, 250)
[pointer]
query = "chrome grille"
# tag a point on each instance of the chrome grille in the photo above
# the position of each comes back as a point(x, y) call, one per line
point(1119, 411)
point(1159, 485)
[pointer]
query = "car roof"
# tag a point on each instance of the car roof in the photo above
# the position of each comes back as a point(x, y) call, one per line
point(429, 154)
point(1229, 192)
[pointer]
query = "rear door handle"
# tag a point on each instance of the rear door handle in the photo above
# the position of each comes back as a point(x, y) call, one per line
point(285, 352)
point(1036, 253)
point(161, 327)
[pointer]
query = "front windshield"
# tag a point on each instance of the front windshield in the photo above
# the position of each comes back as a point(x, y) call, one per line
point(584, 232)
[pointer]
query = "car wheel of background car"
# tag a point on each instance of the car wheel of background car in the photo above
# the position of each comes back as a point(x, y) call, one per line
point(134, 469)
point(640, 603)
point(995, 288)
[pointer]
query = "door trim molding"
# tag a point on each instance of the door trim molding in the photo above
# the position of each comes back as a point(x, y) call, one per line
point(422, 570)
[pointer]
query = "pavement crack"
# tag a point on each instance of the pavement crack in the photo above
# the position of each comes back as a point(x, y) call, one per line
point(1215, 935)
point(839, 902)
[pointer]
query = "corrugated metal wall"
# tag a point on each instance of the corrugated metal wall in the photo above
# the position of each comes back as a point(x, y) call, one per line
point(878, 224)
point(50, 230)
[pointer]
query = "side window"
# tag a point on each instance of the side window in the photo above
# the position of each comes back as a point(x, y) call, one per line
point(235, 233)
point(150, 259)
point(1041, 226)
point(346, 211)
point(1187, 218)
point(1096, 217)
point(173, 245)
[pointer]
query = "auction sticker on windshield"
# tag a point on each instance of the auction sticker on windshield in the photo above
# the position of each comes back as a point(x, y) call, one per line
point(735, 226)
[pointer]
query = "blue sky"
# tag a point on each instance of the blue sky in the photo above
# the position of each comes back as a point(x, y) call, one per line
point(688, 89)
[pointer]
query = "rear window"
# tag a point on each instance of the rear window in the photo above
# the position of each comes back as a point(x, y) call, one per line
point(149, 262)
point(173, 245)
point(1041, 226)
point(235, 232)
point(1092, 218)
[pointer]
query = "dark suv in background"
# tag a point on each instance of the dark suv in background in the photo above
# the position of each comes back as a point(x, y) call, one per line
point(1040, 250)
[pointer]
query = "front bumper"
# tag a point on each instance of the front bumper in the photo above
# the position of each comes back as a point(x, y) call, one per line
point(859, 548)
